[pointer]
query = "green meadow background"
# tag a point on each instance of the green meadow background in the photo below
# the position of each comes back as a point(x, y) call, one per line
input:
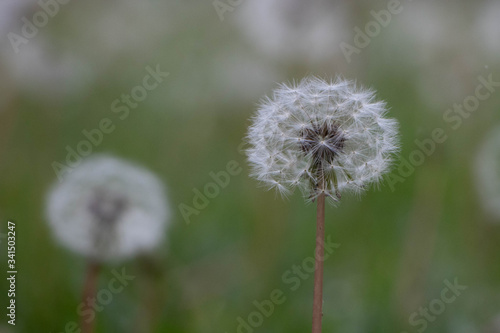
point(398, 243)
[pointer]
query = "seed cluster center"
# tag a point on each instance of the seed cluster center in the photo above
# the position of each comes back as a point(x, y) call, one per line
point(322, 141)
point(107, 207)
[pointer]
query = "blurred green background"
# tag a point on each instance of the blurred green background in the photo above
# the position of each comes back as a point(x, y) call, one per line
point(398, 245)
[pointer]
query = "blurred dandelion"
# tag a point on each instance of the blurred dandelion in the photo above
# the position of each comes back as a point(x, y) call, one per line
point(488, 173)
point(440, 50)
point(120, 30)
point(296, 30)
point(67, 56)
point(326, 138)
point(47, 75)
point(107, 210)
point(35, 64)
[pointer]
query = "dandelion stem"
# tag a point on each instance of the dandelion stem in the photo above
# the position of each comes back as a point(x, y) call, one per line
point(318, 270)
point(89, 291)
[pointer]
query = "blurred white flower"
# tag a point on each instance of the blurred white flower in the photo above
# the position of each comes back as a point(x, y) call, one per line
point(228, 69)
point(428, 29)
point(446, 81)
point(108, 209)
point(122, 31)
point(45, 74)
point(435, 42)
point(488, 173)
point(321, 137)
point(295, 29)
point(81, 42)
point(35, 66)
point(440, 47)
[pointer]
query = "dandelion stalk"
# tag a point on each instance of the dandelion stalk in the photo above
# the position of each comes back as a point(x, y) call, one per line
point(318, 268)
point(89, 292)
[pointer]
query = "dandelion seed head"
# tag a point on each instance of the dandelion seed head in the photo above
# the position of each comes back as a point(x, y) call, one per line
point(322, 137)
point(108, 209)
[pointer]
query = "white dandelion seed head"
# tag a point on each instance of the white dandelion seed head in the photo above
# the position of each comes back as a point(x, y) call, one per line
point(108, 209)
point(321, 137)
point(488, 173)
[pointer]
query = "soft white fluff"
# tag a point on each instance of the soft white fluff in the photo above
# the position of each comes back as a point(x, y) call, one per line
point(289, 150)
point(108, 209)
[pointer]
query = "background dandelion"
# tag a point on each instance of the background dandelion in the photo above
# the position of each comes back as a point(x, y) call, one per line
point(107, 209)
point(294, 31)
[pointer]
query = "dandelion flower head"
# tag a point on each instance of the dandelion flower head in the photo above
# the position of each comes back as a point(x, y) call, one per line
point(108, 209)
point(321, 137)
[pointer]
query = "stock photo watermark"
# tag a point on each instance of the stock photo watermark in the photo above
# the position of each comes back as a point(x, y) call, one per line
point(211, 190)
point(224, 6)
point(121, 107)
point(11, 272)
point(292, 279)
point(220, 180)
point(87, 309)
point(421, 318)
point(30, 28)
point(453, 118)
